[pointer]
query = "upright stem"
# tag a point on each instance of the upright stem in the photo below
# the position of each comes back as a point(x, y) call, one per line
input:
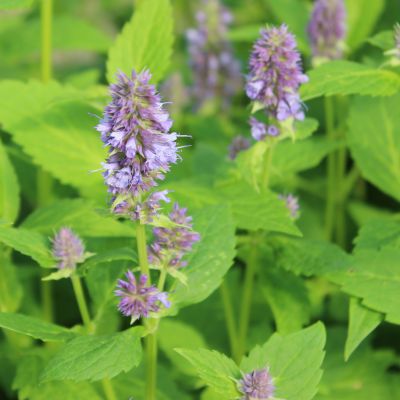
point(331, 171)
point(43, 180)
point(80, 299)
point(229, 318)
point(250, 272)
point(151, 339)
point(142, 249)
point(341, 217)
point(84, 311)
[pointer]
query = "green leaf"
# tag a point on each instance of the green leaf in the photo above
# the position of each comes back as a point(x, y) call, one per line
point(292, 157)
point(172, 334)
point(364, 376)
point(78, 214)
point(216, 370)
point(123, 253)
point(362, 321)
point(210, 259)
point(145, 42)
point(311, 257)
point(95, 357)
point(254, 211)
point(347, 77)
point(296, 15)
point(362, 213)
point(34, 327)
point(384, 40)
point(11, 290)
point(13, 4)
point(29, 243)
point(362, 16)
point(9, 188)
point(56, 129)
point(27, 383)
point(374, 140)
point(375, 278)
point(294, 362)
point(288, 298)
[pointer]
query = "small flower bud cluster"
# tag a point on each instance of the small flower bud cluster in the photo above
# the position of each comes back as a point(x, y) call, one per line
point(216, 71)
point(171, 244)
point(257, 385)
point(68, 249)
point(327, 29)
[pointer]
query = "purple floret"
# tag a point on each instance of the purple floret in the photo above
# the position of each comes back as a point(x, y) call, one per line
point(171, 244)
point(257, 385)
point(327, 29)
point(139, 299)
point(276, 74)
point(238, 144)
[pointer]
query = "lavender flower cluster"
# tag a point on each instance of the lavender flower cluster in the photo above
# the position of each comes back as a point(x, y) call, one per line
point(327, 29)
point(68, 249)
point(274, 79)
point(257, 385)
point(216, 71)
point(135, 128)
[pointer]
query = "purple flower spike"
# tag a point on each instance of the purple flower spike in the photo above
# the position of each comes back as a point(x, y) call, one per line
point(276, 74)
point(137, 298)
point(135, 128)
point(171, 244)
point(259, 130)
point(257, 385)
point(216, 71)
point(238, 144)
point(68, 249)
point(327, 29)
point(292, 204)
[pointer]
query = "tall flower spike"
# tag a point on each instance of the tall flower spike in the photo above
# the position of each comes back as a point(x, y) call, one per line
point(139, 299)
point(68, 249)
point(257, 385)
point(216, 71)
point(171, 244)
point(276, 74)
point(327, 29)
point(135, 128)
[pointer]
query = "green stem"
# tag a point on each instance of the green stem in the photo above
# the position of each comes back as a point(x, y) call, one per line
point(267, 167)
point(80, 299)
point(162, 279)
point(331, 171)
point(341, 217)
point(151, 366)
point(229, 318)
point(84, 311)
point(142, 249)
point(250, 273)
point(151, 340)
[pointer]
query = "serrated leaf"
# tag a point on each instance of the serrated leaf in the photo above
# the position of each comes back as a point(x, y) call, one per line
point(55, 128)
point(288, 298)
point(78, 214)
point(9, 188)
point(95, 357)
point(217, 370)
point(29, 243)
point(253, 211)
point(145, 42)
point(347, 77)
point(294, 362)
point(361, 18)
point(374, 140)
point(210, 258)
point(172, 334)
point(34, 327)
point(362, 321)
point(375, 278)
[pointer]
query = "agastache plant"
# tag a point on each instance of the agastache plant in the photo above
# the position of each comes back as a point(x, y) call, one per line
point(257, 385)
point(273, 81)
point(216, 71)
point(327, 30)
point(136, 129)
